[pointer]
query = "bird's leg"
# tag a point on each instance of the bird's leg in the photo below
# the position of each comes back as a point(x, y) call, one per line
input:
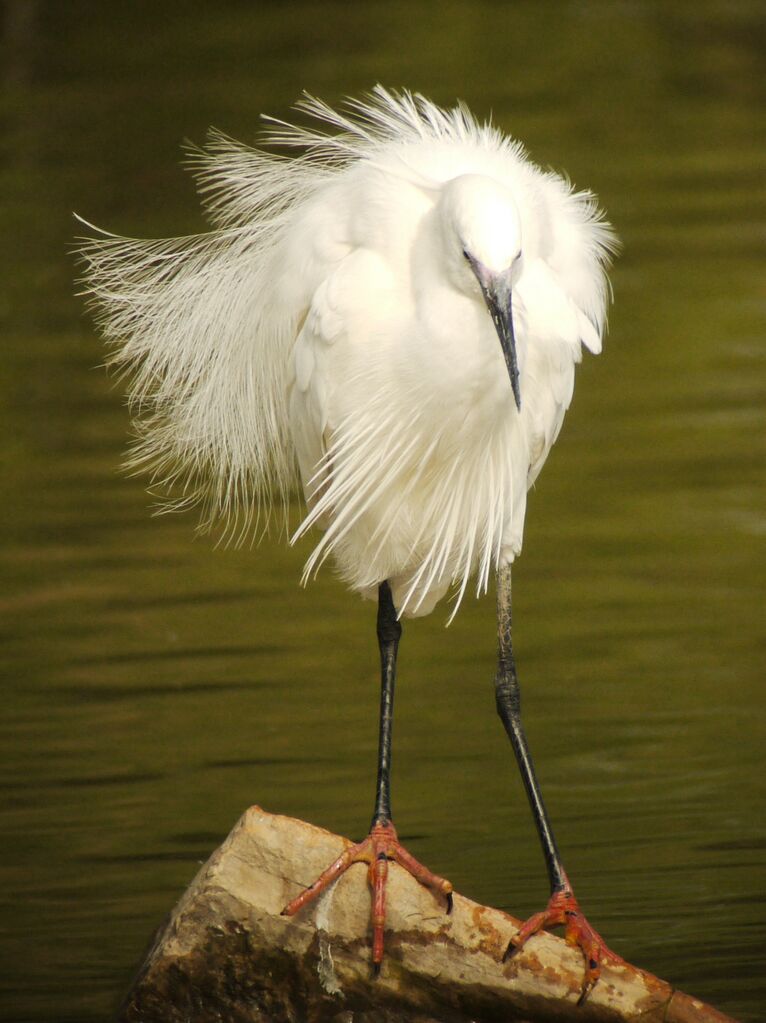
point(382, 843)
point(563, 908)
point(389, 633)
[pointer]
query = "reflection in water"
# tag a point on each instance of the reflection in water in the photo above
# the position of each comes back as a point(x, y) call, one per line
point(155, 686)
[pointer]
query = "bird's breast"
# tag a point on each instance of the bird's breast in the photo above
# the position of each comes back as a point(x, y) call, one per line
point(458, 352)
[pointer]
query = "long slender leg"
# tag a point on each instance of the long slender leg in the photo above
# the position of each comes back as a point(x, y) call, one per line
point(382, 843)
point(508, 702)
point(562, 908)
point(389, 634)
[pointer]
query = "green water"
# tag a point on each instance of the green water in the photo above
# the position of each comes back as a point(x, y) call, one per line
point(154, 686)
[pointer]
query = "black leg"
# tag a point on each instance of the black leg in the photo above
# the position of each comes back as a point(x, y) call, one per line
point(563, 909)
point(508, 701)
point(382, 844)
point(389, 633)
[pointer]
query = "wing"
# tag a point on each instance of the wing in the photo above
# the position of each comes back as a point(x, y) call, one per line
point(310, 397)
point(332, 405)
point(555, 328)
point(563, 294)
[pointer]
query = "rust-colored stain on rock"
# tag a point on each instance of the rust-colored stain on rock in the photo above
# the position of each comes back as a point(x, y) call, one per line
point(226, 953)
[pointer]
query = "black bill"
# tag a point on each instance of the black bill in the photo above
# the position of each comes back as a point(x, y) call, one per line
point(496, 288)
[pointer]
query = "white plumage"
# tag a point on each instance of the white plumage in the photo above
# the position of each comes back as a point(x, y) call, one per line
point(332, 323)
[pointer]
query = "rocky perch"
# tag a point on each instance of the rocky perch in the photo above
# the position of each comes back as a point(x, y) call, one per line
point(227, 955)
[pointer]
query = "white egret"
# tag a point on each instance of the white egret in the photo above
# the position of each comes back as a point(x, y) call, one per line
point(341, 325)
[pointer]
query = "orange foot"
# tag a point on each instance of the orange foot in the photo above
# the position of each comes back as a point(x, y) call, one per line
point(380, 846)
point(563, 910)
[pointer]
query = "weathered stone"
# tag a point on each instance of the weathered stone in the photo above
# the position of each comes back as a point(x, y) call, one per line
point(227, 955)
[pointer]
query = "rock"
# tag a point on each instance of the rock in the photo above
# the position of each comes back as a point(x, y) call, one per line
point(227, 955)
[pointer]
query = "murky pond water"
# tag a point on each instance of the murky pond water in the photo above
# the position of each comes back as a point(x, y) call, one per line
point(155, 686)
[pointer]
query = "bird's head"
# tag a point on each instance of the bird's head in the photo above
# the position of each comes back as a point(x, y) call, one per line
point(482, 245)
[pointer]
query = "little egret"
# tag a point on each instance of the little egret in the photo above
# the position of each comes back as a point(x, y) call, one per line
point(393, 318)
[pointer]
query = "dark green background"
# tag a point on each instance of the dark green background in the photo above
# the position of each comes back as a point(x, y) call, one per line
point(154, 686)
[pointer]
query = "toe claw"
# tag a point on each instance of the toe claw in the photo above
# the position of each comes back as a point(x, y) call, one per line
point(511, 950)
point(587, 987)
point(450, 903)
point(375, 971)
